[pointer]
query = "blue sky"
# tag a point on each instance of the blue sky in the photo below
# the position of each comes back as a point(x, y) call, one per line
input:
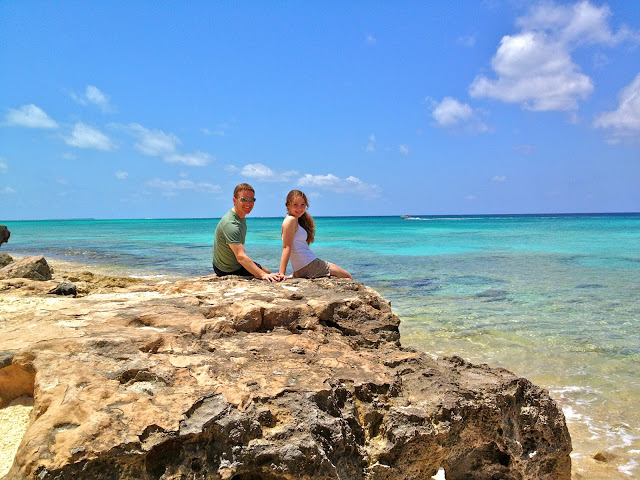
point(158, 109)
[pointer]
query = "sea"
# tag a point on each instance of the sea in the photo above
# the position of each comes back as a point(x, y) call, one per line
point(553, 298)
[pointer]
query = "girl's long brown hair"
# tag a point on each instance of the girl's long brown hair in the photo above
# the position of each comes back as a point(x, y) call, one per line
point(305, 220)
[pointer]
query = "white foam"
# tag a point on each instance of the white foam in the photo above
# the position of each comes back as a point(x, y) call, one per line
point(570, 413)
point(628, 468)
point(440, 475)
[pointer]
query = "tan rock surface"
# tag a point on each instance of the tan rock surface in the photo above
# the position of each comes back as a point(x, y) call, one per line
point(241, 379)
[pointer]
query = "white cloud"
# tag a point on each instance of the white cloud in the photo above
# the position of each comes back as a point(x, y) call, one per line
point(370, 39)
point(3, 166)
point(625, 120)
point(535, 69)
point(84, 136)
point(156, 143)
point(171, 188)
point(29, 116)
point(7, 191)
point(266, 174)
point(120, 175)
point(470, 197)
point(197, 159)
point(580, 23)
point(499, 178)
point(93, 95)
point(339, 185)
point(403, 149)
point(453, 113)
point(450, 112)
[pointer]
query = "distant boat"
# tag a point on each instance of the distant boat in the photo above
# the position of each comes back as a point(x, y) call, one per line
point(405, 216)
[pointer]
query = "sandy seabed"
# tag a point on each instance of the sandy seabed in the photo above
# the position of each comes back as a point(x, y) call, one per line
point(14, 420)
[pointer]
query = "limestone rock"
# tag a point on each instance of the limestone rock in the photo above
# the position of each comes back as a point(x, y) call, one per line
point(230, 378)
point(34, 267)
point(5, 259)
point(4, 234)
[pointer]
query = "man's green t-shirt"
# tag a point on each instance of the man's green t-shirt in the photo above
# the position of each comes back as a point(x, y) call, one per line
point(231, 229)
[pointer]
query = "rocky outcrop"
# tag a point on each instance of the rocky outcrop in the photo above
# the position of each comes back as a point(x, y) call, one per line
point(240, 379)
point(34, 267)
point(4, 234)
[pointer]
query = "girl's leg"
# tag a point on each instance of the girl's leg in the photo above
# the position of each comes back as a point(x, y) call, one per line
point(336, 271)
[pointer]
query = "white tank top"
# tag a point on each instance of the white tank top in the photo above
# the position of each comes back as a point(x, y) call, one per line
point(301, 254)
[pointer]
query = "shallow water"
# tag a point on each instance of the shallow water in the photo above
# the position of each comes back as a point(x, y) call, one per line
point(551, 298)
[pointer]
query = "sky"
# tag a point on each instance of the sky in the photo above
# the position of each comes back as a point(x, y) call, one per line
point(157, 109)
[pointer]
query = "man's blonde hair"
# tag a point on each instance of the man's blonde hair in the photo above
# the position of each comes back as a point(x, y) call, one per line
point(243, 186)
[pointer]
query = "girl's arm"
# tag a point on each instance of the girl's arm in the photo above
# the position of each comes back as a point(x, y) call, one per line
point(289, 227)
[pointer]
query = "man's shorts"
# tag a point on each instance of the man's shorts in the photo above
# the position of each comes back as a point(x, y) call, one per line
point(242, 272)
point(316, 268)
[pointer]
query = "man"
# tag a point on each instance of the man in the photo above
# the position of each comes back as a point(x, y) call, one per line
point(229, 256)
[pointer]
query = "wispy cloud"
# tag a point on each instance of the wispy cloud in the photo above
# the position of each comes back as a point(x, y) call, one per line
point(370, 39)
point(534, 68)
point(3, 166)
point(623, 122)
point(196, 159)
point(467, 41)
point(120, 175)
point(84, 136)
point(525, 148)
point(499, 178)
point(156, 143)
point(29, 116)
point(452, 113)
point(93, 96)
point(7, 191)
point(371, 144)
point(266, 174)
point(336, 184)
point(170, 188)
point(403, 149)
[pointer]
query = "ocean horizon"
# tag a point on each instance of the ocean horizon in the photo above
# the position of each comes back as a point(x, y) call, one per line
point(460, 215)
point(551, 296)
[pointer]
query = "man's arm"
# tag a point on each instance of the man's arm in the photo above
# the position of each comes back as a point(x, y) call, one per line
point(250, 266)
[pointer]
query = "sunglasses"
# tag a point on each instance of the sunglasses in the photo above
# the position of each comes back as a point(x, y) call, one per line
point(247, 200)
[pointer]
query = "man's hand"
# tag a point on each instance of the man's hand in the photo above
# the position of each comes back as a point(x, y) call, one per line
point(273, 277)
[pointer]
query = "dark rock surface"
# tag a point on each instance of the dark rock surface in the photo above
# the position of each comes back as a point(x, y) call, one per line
point(4, 234)
point(240, 379)
point(33, 267)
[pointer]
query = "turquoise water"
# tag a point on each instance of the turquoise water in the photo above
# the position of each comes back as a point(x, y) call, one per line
point(551, 298)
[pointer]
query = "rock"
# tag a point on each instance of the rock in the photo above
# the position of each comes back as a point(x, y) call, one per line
point(604, 457)
point(34, 267)
point(64, 289)
point(230, 378)
point(4, 234)
point(5, 259)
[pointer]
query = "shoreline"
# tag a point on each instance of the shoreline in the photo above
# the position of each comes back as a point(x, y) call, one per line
point(585, 466)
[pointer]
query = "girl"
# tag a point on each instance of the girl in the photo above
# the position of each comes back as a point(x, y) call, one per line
point(298, 232)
